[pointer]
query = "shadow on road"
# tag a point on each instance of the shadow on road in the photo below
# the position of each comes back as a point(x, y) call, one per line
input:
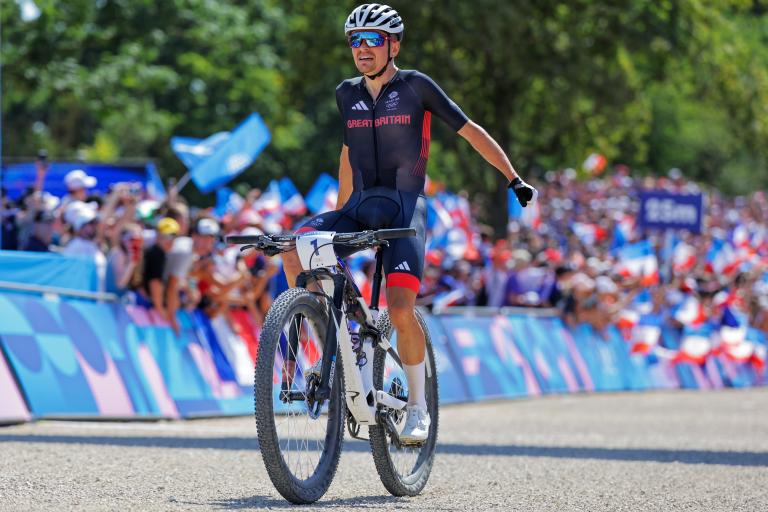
point(727, 458)
point(259, 502)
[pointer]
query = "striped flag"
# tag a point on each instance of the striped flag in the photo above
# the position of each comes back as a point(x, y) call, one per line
point(647, 333)
point(639, 260)
point(683, 258)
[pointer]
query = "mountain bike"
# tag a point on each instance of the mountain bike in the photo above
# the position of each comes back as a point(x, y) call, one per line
point(327, 360)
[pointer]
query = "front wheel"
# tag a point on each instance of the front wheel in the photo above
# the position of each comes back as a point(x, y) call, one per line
point(403, 470)
point(300, 438)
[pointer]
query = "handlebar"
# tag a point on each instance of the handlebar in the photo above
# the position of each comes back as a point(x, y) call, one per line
point(275, 244)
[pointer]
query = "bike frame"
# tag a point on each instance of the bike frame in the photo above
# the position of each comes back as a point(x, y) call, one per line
point(361, 398)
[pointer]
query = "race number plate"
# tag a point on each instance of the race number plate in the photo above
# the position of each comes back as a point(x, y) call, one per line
point(315, 249)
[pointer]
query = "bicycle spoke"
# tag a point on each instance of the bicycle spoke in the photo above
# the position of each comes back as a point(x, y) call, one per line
point(300, 437)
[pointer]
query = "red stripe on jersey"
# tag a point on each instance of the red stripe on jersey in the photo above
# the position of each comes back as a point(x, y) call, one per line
point(426, 128)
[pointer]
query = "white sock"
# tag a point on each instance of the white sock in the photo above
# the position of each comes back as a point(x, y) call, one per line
point(416, 375)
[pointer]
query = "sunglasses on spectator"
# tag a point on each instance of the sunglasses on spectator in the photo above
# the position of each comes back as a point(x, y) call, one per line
point(372, 39)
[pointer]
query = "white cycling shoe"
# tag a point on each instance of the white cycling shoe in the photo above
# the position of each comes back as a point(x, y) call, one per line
point(416, 428)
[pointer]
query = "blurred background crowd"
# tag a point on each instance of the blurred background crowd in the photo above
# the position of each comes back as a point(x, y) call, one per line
point(575, 250)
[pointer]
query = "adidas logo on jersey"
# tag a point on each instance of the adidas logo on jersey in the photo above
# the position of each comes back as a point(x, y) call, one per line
point(360, 106)
point(403, 266)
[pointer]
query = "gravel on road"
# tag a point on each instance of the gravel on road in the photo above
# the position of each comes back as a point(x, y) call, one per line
point(660, 451)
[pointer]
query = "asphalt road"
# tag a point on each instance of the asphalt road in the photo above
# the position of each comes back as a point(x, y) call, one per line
point(631, 451)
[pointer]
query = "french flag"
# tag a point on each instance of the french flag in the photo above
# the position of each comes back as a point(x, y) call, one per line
point(269, 204)
point(733, 331)
point(734, 343)
point(694, 349)
point(322, 196)
point(690, 312)
point(446, 300)
point(683, 258)
point(637, 313)
point(722, 258)
point(628, 319)
point(293, 202)
point(646, 335)
point(639, 260)
point(595, 163)
point(586, 232)
point(623, 231)
point(740, 236)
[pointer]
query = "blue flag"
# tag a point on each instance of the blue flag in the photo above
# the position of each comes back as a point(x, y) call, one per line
point(321, 192)
point(195, 151)
point(231, 156)
point(293, 202)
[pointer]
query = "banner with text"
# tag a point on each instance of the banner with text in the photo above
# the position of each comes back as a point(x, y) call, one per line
point(664, 210)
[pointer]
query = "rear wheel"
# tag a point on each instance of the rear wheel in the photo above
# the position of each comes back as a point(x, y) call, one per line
point(403, 470)
point(300, 441)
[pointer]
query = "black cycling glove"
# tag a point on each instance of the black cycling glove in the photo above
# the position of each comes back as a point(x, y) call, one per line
point(524, 192)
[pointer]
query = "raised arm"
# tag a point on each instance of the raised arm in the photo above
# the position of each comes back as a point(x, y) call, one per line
point(488, 148)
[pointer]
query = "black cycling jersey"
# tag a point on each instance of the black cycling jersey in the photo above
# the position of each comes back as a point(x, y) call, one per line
point(388, 144)
point(388, 139)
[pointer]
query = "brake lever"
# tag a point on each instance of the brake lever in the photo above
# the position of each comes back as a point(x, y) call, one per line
point(248, 247)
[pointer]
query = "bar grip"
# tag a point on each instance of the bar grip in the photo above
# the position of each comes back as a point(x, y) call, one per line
point(390, 234)
point(243, 239)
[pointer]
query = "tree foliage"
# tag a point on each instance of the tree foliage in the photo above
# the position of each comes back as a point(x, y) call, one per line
point(650, 83)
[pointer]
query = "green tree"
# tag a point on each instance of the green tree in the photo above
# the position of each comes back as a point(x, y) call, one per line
point(650, 83)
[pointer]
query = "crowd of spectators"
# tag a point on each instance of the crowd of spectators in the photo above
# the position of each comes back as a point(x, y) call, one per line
point(563, 253)
point(161, 255)
point(568, 255)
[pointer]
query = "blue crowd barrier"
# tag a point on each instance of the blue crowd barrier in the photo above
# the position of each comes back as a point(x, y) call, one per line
point(70, 357)
point(48, 269)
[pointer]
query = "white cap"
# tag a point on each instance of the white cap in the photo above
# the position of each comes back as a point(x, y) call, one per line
point(207, 227)
point(77, 179)
point(78, 214)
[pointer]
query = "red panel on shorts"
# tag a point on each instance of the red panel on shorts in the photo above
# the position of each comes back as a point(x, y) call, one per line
point(403, 280)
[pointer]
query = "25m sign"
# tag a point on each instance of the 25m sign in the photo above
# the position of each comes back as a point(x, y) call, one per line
point(665, 210)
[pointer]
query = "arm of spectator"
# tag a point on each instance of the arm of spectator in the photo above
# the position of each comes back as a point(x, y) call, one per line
point(108, 215)
point(128, 202)
point(156, 296)
point(41, 169)
point(172, 299)
point(123, 266)
point(222, 290)
point(262, 278)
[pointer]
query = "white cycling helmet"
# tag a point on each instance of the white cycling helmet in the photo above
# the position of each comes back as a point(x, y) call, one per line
point(375, 17)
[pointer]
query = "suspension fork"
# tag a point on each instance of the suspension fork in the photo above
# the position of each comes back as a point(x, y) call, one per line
point(335, 318)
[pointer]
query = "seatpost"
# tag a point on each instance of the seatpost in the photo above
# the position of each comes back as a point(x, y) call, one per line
point(377, 277)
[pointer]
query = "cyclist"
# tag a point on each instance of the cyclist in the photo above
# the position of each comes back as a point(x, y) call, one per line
point(386, 114)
